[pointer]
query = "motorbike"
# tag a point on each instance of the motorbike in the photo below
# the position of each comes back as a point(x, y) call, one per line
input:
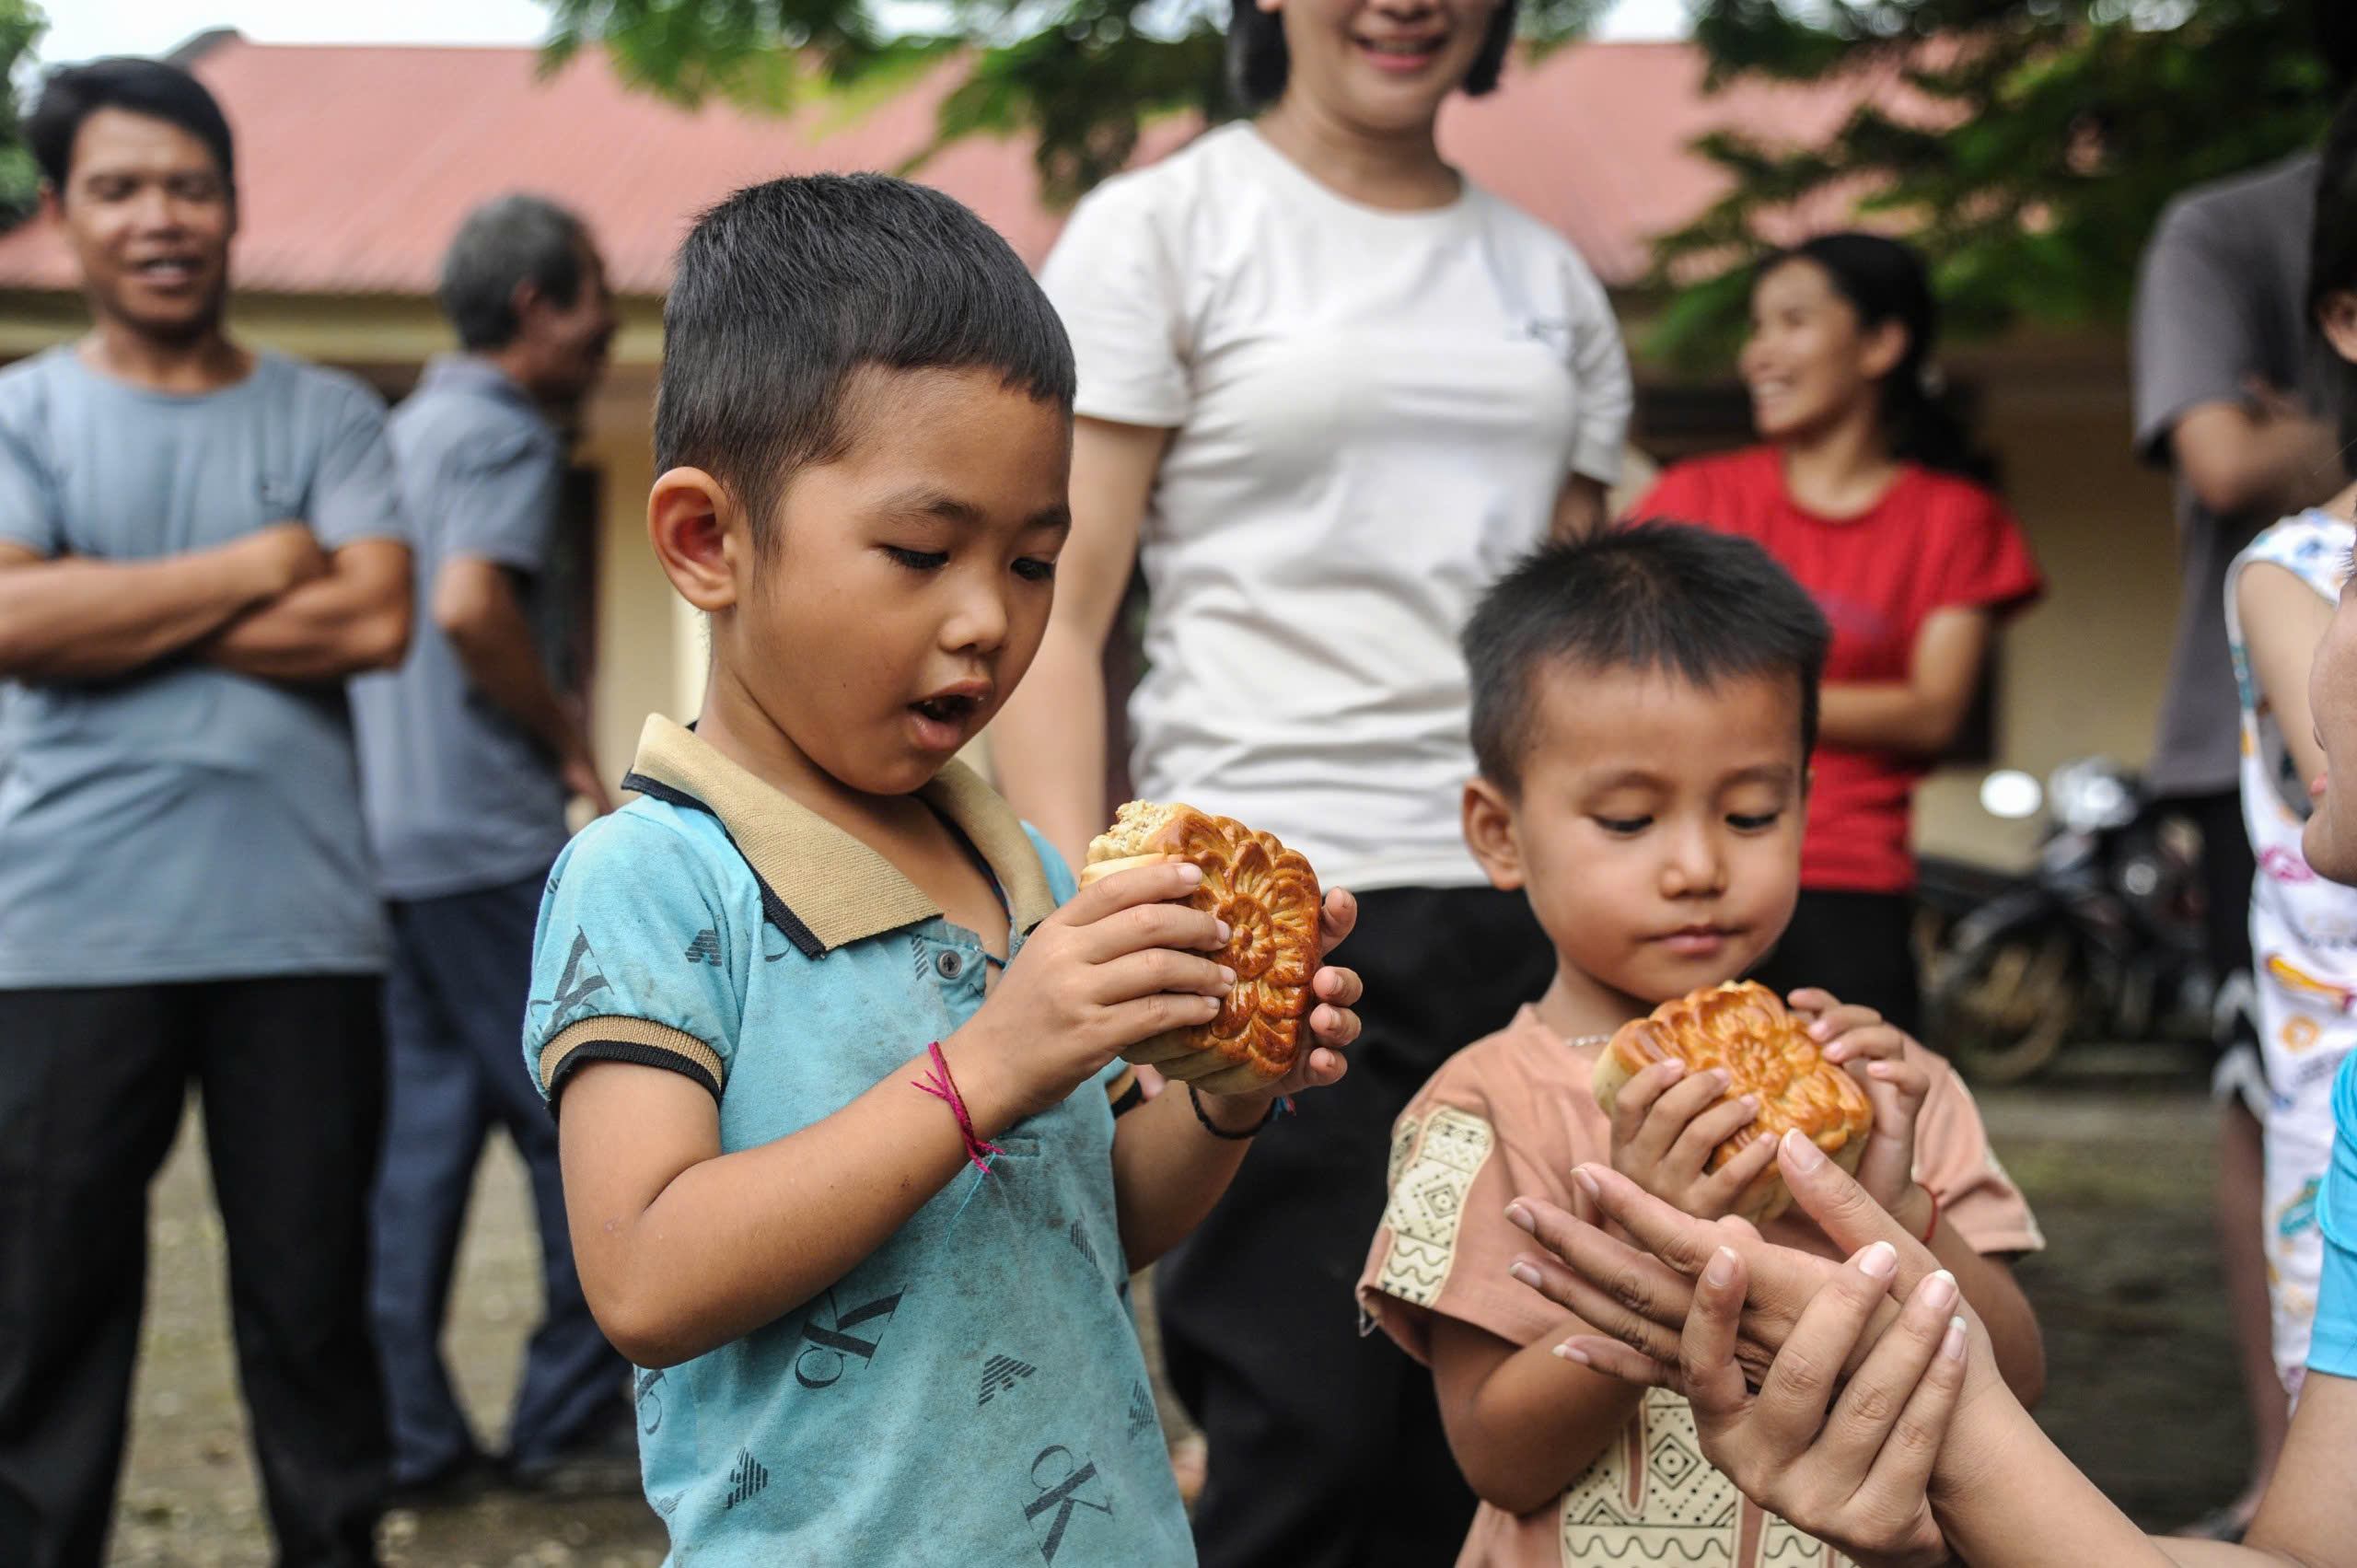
point(2103, 940)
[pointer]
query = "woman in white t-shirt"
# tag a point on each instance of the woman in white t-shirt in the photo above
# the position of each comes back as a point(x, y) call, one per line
point(1329, 391)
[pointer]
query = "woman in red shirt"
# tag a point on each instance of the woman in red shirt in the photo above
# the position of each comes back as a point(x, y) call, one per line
point(1867, 491)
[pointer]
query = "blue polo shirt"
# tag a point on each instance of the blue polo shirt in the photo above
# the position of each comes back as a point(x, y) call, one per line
point(973, 1391)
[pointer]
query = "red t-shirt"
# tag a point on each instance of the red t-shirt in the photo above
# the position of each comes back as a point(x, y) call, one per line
point(1932, 543)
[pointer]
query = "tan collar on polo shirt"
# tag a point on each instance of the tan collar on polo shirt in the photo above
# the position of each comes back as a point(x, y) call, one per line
point(818, 878)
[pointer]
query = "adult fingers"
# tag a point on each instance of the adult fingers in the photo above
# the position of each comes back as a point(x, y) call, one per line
point(1337, 916)
point(1866, 1414)
point(1583, 1260)
point(1801, 1381)
point(1715, 1383)
point(1603, 1312)
point(1617, 1360)
point(1902, 1471)
point(1844, 1210)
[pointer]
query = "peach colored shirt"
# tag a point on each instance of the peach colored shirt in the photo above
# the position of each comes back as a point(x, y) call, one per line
point(1511, 1115)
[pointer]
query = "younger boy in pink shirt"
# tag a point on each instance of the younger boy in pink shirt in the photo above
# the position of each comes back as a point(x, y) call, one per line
point(1645, 704)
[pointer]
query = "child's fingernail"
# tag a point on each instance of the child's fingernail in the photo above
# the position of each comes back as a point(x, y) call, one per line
point(1953, 1346)
point(1803, 1154)
point(1751, 1103)
point(1721, 1077)
point(1721, 1268)
point(1821, 1030)
point(1226, 931)
point(1227, 977)
point(1939, 1291)
point(1521, 1216)
point(1191, 873)
point(1572, 1353)
point(1526, 1273)
point(1586, 1180)
point(1879, 1262)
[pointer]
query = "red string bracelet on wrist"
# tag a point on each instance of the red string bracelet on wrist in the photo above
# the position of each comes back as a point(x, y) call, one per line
point(1932, 1228)
point(937, 1083)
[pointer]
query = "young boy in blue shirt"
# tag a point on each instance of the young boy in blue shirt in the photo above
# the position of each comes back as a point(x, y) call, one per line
point(856, 1173)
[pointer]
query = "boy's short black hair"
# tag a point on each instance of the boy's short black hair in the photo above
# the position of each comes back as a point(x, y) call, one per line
point(787, 289)
point(1657, 595)
point(1259, 62)
point(71, 94)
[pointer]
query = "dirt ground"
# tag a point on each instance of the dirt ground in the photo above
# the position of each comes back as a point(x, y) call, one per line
point(2141, 1390)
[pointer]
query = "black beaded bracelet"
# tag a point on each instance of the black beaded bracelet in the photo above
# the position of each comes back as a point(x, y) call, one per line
point(1216, 1130)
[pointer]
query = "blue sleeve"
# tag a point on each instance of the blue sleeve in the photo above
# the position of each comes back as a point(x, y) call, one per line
point(29, 514)
point(635, 958)
point(499, 500)
point(2333, 1349)
point(354, 493)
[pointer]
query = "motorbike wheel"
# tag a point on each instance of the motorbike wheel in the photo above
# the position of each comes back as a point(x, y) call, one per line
point(2002, 1009)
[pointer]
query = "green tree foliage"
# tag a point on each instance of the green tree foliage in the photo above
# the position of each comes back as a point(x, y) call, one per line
point(1085, 76)
point(2029, 153)
point(21, 25)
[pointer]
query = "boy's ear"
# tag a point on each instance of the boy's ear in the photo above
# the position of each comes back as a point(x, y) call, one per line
point(697, 530)
point(1490, 833)
point(2337, 317)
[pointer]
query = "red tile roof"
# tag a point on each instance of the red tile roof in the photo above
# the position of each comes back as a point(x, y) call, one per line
point(357, 163)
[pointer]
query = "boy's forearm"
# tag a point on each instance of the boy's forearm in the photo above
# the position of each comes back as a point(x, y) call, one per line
point(1168, 1169)
point(1536, 1422)
point(734, 1242)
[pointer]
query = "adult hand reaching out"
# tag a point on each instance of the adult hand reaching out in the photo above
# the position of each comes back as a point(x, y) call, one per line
point(1850, 1461)
point(1642, 1297)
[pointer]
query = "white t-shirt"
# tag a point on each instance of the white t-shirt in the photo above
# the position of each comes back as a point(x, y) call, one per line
point(1373, 414)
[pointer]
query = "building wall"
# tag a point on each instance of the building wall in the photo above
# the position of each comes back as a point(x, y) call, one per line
point(2083, 672)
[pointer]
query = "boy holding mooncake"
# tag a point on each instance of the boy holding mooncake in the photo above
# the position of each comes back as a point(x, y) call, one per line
point(1643, 707)
point(857, 1177)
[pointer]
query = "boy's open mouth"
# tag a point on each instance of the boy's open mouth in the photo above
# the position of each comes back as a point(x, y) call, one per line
point(949, 710)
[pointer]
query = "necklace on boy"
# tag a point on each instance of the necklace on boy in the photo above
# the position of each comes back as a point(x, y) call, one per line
point(1582, 1042)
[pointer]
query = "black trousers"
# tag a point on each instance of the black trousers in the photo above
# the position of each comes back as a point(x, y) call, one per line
point(92, 1085)
point(1860, 947)
point(1326, 1445)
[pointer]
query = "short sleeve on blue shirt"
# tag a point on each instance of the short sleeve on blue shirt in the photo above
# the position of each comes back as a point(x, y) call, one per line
point(2333, 1349)
point(500, 498)
point(637, 958)
point(28, 500)
point(354, 493)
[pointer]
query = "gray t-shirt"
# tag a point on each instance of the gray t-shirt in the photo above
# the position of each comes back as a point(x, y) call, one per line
point(460, 796)
point(2219, 300)
point(183, 822)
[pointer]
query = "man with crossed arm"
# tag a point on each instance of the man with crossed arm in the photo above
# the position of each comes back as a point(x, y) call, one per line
point(198, 544)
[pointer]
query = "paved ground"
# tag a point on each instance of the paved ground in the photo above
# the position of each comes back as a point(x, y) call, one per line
point(2142, 1390)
